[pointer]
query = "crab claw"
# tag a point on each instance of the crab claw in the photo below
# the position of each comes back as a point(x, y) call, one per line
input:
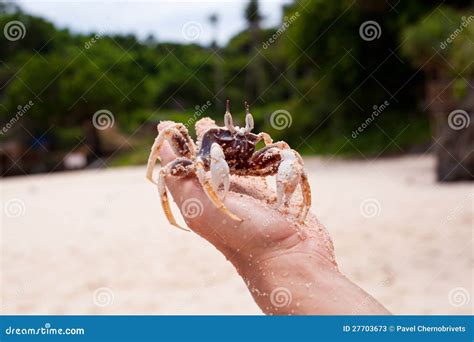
point(288, 177)
point(220, 174)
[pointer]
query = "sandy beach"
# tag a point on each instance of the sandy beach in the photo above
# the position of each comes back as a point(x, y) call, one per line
point(97, 242)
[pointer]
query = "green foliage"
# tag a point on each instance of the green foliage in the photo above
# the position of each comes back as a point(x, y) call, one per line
point(449, 33)
point(38, 35)
point(317, 68)
point(342, 76)
point(462, 51)
point(69, 85)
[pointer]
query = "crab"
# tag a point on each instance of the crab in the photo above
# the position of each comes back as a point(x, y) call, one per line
point(225, 151)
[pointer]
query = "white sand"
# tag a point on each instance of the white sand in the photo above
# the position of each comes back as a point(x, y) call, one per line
point(81, 231)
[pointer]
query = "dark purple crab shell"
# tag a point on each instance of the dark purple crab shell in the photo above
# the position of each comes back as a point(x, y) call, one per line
point(238, 147)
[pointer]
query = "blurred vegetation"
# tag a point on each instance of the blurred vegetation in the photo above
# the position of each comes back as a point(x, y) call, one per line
point(319, 69)
point(451, 33)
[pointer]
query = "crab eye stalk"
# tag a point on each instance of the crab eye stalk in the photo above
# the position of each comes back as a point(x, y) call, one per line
point(248, 118)
point(228, 118)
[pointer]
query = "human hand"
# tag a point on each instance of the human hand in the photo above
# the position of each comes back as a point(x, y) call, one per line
point(288, 267)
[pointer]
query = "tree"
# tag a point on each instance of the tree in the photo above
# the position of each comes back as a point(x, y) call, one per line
point(217, 59)
point(255, 76)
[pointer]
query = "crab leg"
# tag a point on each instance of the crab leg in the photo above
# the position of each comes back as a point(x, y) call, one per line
point(266, 138)
point(280, 145)
point(181, 167)
point(152, 158)
point(179, 140)
point(211, 194)
point(165, 201)
point(306, 192)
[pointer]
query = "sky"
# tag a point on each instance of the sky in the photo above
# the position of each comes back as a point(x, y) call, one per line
point(168, 20)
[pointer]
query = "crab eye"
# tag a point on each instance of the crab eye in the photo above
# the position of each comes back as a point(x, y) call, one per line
point(225, 136)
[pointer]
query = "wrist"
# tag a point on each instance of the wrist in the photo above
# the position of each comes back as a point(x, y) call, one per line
point(288, 280)
point(301, 281)
point(290, 283)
